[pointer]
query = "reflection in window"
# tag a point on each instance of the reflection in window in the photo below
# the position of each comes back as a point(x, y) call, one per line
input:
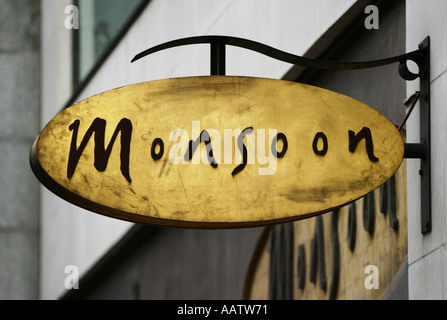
point(99, 22)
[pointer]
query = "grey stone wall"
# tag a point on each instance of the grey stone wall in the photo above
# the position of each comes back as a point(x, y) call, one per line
point(19, 125)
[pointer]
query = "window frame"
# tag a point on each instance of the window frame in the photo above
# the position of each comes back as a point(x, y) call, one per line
point(80, 84)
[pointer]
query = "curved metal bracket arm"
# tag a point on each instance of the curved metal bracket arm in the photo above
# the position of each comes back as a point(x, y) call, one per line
point(422, 150)
point(218, 44)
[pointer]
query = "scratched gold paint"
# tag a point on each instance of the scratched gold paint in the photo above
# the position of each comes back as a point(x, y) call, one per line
point(198, 195)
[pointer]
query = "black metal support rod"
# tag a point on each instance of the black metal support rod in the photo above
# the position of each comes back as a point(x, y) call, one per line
point(415, 151)
point(217, 58)
point(425, 171)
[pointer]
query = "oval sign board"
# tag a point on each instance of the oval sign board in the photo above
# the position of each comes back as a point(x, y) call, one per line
point(216, 152)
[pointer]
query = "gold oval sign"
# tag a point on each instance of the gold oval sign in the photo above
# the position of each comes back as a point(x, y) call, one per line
point(216, 152)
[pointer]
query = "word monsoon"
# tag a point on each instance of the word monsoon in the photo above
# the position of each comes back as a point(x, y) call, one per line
point(184, 150)
point(216, 152)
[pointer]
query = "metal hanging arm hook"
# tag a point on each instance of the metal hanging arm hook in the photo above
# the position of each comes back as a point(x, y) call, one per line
point(415, 56)
point(409, 102)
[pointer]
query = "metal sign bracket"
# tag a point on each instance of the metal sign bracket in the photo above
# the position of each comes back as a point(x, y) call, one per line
point(420, 57)
point(422, 150)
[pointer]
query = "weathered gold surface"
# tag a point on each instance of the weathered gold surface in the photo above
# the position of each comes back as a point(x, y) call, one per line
point(199, 195)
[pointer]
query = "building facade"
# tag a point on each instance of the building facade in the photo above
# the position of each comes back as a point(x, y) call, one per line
point(56, 53)
point(20, 113)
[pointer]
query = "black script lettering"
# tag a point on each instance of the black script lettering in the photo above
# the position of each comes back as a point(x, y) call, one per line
point(317, 258)
point(155, 143)
point(301, 266)
point(369, 212)
point(281, 248)
point(354, 139)
point(192, 146)
point(243, 150)
point(333, 289)
point(388, 201)
point(279, 136)
point(323, 151)
point(101, 155)
point(352, 226)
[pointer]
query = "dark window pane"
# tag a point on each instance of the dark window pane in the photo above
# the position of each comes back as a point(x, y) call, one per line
point(99, 23)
